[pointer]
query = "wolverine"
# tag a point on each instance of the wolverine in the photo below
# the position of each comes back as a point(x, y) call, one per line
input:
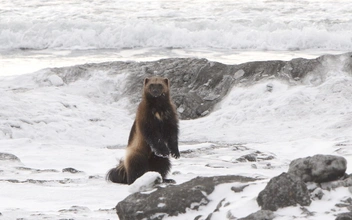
point(153, 136)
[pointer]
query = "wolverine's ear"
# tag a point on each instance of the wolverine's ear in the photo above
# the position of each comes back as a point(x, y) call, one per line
point(146, 80)
point(166, 81)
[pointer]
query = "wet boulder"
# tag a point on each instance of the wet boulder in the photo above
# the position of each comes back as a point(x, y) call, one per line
point(283, 191)
point(319, 168)
point(172, 200)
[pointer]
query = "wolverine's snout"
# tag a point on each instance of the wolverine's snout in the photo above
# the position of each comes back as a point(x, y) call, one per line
point(156, 90)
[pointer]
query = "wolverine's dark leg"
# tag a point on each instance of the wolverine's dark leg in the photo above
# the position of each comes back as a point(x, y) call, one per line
point(173, 145)
point(170, 134)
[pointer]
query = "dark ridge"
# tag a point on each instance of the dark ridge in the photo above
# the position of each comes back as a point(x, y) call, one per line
point(197, 85)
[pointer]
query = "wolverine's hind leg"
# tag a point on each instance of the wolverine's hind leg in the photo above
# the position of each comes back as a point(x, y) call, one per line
point(136, 165)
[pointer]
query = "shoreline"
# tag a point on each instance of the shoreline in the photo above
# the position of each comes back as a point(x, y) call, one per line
point(20, 62)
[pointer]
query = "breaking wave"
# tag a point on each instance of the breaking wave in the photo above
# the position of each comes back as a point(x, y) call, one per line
point(176, 24)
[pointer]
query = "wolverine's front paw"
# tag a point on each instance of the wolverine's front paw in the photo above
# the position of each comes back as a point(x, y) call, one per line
point(163, 152)
point(175, 155)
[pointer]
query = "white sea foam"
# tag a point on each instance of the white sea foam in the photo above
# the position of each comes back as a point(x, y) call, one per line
point(259, 25)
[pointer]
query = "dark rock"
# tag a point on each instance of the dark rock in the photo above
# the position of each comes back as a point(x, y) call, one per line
point(251, 157)
point(198, 84)
point(37, 170)
point(95, 177)
point(282, 191)
point(76, 209)
point(260, 215)
point(319, 168)
point(217, 209)
point(209, 216)
point(268, 166)
point(348, 201)
point(342, 205)
point(71, 170)
point(241, 159)
point(344, 216)
point(254, 157)
point(238, 189)
point(217, 166)
point(269, 87)
point(113, 147)
point(9, 157)
point(198, 217)
point(267, 158)
point(219, 205)
point(172, 200)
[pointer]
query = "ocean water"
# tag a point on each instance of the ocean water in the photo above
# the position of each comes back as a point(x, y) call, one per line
point(36, 34)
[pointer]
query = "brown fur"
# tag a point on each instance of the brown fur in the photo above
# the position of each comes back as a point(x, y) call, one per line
point(153, 136)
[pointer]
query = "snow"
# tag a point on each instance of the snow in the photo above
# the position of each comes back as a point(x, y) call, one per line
point(146, 182)
point(85, 124)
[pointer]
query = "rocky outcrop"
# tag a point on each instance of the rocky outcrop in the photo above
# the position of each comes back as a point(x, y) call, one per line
point(282, 191)
point(319, 168)
point(173, 199)
point(289, 189)
point(198, 84)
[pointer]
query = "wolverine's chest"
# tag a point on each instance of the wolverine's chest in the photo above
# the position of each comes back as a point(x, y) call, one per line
point(160, 115)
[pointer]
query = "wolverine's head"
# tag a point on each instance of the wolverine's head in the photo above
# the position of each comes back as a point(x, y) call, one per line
point(156, 86)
